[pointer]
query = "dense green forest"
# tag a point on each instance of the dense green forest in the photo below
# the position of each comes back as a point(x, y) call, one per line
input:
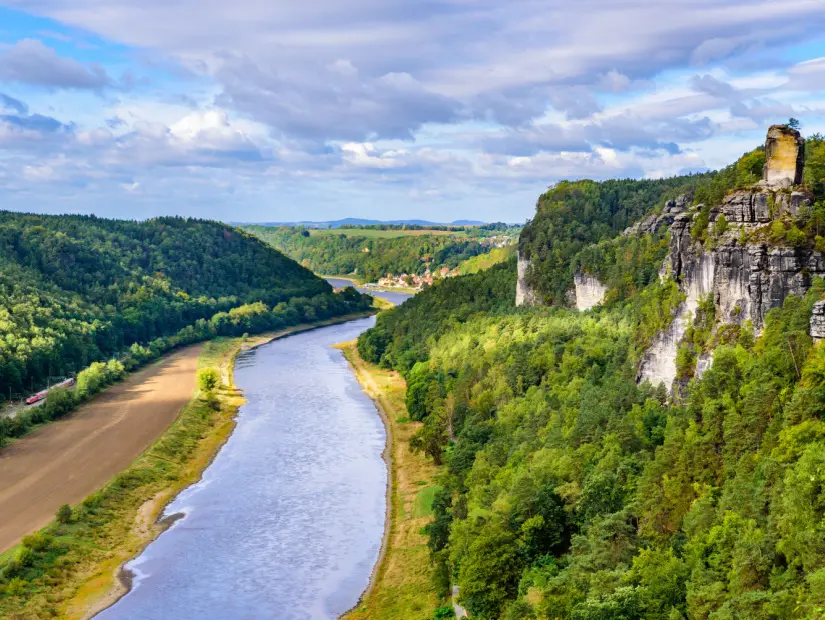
point(76, 289)
point(369, 257)
point(569, 490)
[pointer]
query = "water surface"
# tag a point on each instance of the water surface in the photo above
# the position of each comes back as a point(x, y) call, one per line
point(392, 296)
point(287, 521)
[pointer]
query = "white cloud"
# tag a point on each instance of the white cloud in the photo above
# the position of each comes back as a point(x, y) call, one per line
point(444, 100)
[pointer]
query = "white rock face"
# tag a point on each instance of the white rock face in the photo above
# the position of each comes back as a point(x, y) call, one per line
point(659, 363)
point(818, 321)
point(589, 291)
point(525, 296)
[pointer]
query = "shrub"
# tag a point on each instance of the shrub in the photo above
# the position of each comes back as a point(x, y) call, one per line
point(442, 613)
point(208, 379)
point(38, 541)
point(64, 514)
point(721, 225)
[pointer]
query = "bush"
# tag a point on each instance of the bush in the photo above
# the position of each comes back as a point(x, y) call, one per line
point(721, 225)
point(38, 541)
point(64, 514)
point(208, 379)
point(442, 613)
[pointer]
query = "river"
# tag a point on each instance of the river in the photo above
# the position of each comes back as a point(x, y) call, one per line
point(287, 521)
point(393, 296)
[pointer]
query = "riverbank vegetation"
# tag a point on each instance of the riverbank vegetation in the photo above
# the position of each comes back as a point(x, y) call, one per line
point(369, 254)
point(401, 587)
point(78, 289)
point(252, 318)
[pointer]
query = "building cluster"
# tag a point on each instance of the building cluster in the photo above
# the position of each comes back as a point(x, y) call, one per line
point(411, 280)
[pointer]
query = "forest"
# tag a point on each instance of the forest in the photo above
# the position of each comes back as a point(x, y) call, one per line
point(570, 491)
point(80, 289)
point(367, 257)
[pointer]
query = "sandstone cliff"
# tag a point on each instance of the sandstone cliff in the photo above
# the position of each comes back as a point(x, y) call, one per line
point(525, 295)
point(745, 274)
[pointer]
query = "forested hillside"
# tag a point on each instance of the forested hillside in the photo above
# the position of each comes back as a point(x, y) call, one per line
point(572, 490)
point(367, 255)
point(75, 289)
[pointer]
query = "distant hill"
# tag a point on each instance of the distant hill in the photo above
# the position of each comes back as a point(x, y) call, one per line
point(74, 288)
point(354, 221)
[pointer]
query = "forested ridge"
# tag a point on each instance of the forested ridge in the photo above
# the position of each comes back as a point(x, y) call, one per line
point(368, 257)
point(569, 490)
point(75, 289)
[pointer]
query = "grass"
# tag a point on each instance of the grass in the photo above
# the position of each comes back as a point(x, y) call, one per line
point(401, 588)
point(373, 233)
point(485, 261)
point(423, 506)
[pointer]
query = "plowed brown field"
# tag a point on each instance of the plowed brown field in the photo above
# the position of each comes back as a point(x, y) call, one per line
point(65, 461)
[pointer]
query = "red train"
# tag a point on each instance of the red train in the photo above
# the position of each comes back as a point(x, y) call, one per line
point(41, 395)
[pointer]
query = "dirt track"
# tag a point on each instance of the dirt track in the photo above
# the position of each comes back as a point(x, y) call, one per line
point(66, 461)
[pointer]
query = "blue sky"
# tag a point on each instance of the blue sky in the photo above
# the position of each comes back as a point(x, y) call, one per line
point(262, 110)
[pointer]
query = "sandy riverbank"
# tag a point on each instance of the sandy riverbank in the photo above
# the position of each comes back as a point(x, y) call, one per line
point(400, 586)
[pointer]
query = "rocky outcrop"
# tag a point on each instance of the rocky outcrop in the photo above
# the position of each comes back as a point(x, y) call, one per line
point(784, 157)
point(525, 296)
point(758, 206)
point(654, 223)
point(818, 321)
point(695, 272)
point(746, 279)
point(589, 292)
point(659, 361)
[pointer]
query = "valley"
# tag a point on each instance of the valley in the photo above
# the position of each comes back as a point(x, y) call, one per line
point(358, 310)
point(393, 256)
point(616, 417)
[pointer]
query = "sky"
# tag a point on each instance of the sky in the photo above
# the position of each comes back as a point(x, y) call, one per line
point(276, 110)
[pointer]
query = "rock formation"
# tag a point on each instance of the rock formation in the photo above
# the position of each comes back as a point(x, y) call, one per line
point(525, 296)
point(818, 321)
point(653, 223)
point(785, 157)
point(745, 276)
point(589, 292)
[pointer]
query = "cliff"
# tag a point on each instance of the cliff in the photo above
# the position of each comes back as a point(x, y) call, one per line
point(741, 264)
point(525, 295)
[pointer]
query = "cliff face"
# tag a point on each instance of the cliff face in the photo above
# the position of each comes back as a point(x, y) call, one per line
point(525, 296)
point(746, 278)
point(588, 291)
point(744, 275)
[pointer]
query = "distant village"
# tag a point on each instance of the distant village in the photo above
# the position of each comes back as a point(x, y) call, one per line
point(415, 281)
point(406, 280)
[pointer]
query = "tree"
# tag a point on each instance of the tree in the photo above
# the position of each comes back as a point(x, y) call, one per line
point(490, 571)
point(208, 379)
point(793, 123)
point(64, 514)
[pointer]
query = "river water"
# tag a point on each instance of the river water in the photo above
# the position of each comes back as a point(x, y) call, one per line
point(393, 296)
point(287, 521)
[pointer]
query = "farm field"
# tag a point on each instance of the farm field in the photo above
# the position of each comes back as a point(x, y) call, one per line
point(64, 462)
point(373, 233)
